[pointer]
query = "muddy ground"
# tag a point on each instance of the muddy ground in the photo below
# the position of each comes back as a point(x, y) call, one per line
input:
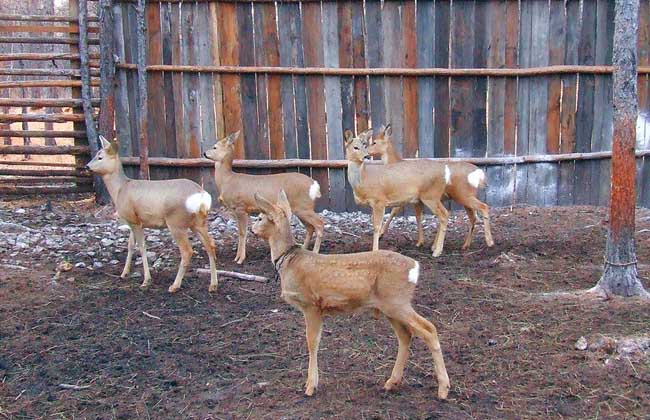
point(241, 353)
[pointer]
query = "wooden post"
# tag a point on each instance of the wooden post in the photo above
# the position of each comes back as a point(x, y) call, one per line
point(91, 130)
point(620, 271)
point(142, 89)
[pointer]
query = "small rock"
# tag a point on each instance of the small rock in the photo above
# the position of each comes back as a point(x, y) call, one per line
point(113, 262)
point(151, 255)
point(80, 265)
point(136, 274)
point(106, 242)
point(70, 279)
point(581, 344)
point(20, 211)
point(64, 266)
point(90, 253)
point(492, 342)
point(21, 245)
point(97, 265)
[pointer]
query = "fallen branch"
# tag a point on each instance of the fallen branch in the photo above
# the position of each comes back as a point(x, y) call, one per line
point(151, 316)
point(13, 266)
point(74, 387)
point(234, 274)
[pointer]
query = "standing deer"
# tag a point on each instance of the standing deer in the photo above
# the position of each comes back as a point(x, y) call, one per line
point(463, 180)
point(395, 184)
point(179, 204)
point(329, 284)
point(237, 193)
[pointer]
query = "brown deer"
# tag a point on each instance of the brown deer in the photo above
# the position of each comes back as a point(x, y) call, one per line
point(330, 284)
point(463, 180)
point(237, 193)
point(179, 204)
point(395, 184)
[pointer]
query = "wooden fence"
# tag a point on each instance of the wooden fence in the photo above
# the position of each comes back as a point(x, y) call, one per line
point(511, 83)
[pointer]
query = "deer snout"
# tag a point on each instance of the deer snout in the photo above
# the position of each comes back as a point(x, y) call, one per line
point(366, 157)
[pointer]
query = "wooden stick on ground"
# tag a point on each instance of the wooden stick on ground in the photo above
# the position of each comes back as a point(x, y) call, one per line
point(234, 274)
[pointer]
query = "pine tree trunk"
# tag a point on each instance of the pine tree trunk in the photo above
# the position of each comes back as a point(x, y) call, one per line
point(620, 273)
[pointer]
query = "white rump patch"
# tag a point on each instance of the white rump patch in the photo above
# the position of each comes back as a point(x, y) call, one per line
point(447, 175)
point(476, 178)
point(414, 273)
point(198, 201)
point(314, 191)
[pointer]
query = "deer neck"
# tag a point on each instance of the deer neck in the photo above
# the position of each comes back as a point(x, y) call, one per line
point(223, 171)
point(391, 155)
point(356, 171)
point(281, 242)
point(115, 181)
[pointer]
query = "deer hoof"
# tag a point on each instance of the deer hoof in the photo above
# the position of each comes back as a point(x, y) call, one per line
point(391, 384)
point(310, 390)
point(173, 289)
point(145, 285)
point(419, 244)
point(490, 244)
point(443, 391)
point(212, 288)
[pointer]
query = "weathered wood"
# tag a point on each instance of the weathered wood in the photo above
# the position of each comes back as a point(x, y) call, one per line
point(44, 83)
point(43, 56)
point(250, 134)
point(34, 180)
point(44, 103)
point(107, 79)
point(206, 100)
point(89, 118)
point(44, 29)
point(261, 84)
point(287, 15)
point(43, 133)
point(361, 103)
point(375, 58)
point(44, 72)
point(57, 118)
point(36, 163)
point(643, 90)
point(271, 48)
point(43, 18)
point(43, 172)
point(620, 271)
point(346, 60)
point(43, 150)
point(442, 108)
point(425, 33)
point(44, 40)
point(410, 84)
point(142, 89)
point(122, 106)
point(29, 190)
point(393, 56)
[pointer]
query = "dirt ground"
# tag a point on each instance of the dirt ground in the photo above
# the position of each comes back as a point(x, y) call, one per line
point(241, 353)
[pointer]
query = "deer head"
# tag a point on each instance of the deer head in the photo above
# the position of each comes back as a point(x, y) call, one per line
point(356, 148)
point(107, 160)
point(223, 149)
point(379, 144)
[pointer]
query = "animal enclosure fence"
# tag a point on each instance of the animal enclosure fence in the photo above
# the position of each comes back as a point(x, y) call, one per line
point(43, 145)
point(522, 88)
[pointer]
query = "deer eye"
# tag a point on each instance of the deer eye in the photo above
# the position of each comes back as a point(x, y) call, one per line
point(356, 148)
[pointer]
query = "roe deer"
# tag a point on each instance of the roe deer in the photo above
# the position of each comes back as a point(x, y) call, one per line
point(463, 180)
point(329, 284)
point(179, 204)
point(395, 184)
point(236, 192)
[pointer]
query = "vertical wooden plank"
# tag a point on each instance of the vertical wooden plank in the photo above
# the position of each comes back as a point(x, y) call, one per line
point(130, 25)
point(215, 60)
point(542, 177)
point(313, 42)
point(122, 114)
point(374, 55)
point(191, 84)
point(156, 100)
point(566, 178)
point(287, 14)
point(462, 89)
point(250, 115)
point(481, 52)
point(603, 108)
point(584, 194)
point(426, 37)
point(523, 98)
point(410, 84)
point(345, 61)
point(262, 83)
point(393, 52)
point(498, 190)
point(333, 105)
point(643, 88)
point(274, 82)
point(512, 58)
point(168, 85)
point(361, 103)
point(206, 86)
point(442, 105)
point(228, 31)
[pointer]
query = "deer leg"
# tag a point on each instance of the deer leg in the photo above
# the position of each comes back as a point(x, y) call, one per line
point(129, 255)
point(388, 221)
point(377, 216)
point(442, 214)
point(483, 208)
point(309, 231)
point(242, 227)
point(418, 219)
point(183, 242)
point(208, 244)
point(138, 231)
point(317, 225)
point(314, 327)
point(471, 214)
point(404, 340)
point(427, 331)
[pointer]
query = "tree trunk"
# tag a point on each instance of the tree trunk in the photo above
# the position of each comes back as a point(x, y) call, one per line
point(620, 273)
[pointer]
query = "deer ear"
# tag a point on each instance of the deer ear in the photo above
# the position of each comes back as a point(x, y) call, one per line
point(348, 136)
point(234, 136)
point(388, 131)
point(366, 134)
point(283, 203)
point(265, 205)
point(105, 143)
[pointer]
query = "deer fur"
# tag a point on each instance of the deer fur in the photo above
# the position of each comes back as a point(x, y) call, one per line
point(237, 193)
point(395, 184)
point(179, 204)
point(462, 181)
point(330, 284)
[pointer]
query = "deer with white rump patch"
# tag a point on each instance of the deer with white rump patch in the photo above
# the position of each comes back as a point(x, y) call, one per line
point(179, 204)
point(236, 192)
point(462, 181)
point(330, 284)
point(395, 184)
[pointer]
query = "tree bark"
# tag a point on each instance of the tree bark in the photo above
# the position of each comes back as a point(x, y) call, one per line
point(620, 271)
point(142, 89)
